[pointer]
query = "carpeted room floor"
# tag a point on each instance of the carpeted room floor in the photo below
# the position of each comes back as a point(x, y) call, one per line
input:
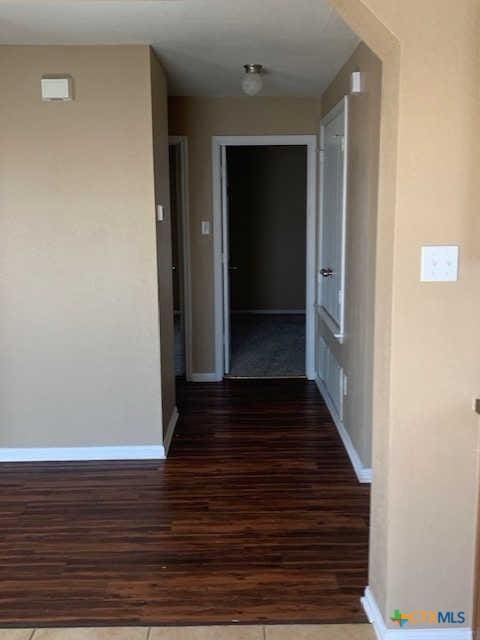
point(267, 346)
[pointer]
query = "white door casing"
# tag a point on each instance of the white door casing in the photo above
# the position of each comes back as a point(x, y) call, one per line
point(221, 279)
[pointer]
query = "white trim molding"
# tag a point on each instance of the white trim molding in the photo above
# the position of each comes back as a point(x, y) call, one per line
point(71, 454)
point(310, 142)
point(364, 474)
point(384, 633)
point(330, 324)
point(167, 441)
point(206, 377)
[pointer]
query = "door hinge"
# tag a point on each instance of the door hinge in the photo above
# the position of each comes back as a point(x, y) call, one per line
point(340, 297)
point(342, 144)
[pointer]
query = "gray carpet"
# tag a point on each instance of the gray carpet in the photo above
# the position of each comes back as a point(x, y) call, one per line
point(267, 345)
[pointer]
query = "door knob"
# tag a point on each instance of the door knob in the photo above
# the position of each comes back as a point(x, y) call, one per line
point(327, 273)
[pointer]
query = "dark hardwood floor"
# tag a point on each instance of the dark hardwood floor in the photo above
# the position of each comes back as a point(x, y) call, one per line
point(256, 517)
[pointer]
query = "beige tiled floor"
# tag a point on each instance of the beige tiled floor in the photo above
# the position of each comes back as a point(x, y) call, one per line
point(15, 634)
point(232, 632)
point(320, 632)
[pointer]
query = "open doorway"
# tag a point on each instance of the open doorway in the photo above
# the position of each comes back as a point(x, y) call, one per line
point(264, 210)
point(267, 212)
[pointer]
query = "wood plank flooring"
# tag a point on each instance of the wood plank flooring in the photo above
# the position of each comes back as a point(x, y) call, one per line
point(256, 517)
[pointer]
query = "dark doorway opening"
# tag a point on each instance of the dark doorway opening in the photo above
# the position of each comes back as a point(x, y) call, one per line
point(267, 204)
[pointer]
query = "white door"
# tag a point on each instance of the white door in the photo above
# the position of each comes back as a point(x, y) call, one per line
point(332, 222)
point(225, 261)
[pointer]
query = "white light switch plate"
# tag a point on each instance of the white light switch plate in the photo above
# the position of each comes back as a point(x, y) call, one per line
point(205, 228)
point(439, 263)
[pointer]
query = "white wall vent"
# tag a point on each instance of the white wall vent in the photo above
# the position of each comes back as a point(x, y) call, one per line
point(56, 89)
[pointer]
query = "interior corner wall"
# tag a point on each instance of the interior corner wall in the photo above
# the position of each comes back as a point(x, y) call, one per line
point(355, 355)
point(199, 119)
point(79, 336)
point(164, 238)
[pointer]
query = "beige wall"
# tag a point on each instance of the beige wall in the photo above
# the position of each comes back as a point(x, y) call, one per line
point(199, 119)
point(267, 214)
point(164, 238)
point(355, 355)
point(427, 369)
point(79, 337)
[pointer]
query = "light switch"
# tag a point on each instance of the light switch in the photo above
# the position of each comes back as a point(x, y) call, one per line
point(205, 228)
point(439, 263)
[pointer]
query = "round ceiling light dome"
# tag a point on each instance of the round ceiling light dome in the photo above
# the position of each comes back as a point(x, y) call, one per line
point(252, 82)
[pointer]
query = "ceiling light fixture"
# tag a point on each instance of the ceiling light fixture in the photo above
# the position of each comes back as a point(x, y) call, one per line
point(252, 81)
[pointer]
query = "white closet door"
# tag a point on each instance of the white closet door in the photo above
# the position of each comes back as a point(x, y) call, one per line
point(332, 226)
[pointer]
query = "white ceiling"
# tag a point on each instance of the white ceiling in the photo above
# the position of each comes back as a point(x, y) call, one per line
point(202, 43)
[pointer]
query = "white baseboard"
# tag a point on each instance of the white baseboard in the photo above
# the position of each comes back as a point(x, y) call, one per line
point(70, 454)
point(167, 441)
point(205, 377)
point(268, 312)
point(364, 474)
point(384, 633)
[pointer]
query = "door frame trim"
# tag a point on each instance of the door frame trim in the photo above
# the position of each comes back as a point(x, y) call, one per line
point(311, 143)
point(182, 143)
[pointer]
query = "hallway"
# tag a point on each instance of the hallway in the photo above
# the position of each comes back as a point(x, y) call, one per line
point(256, 517)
